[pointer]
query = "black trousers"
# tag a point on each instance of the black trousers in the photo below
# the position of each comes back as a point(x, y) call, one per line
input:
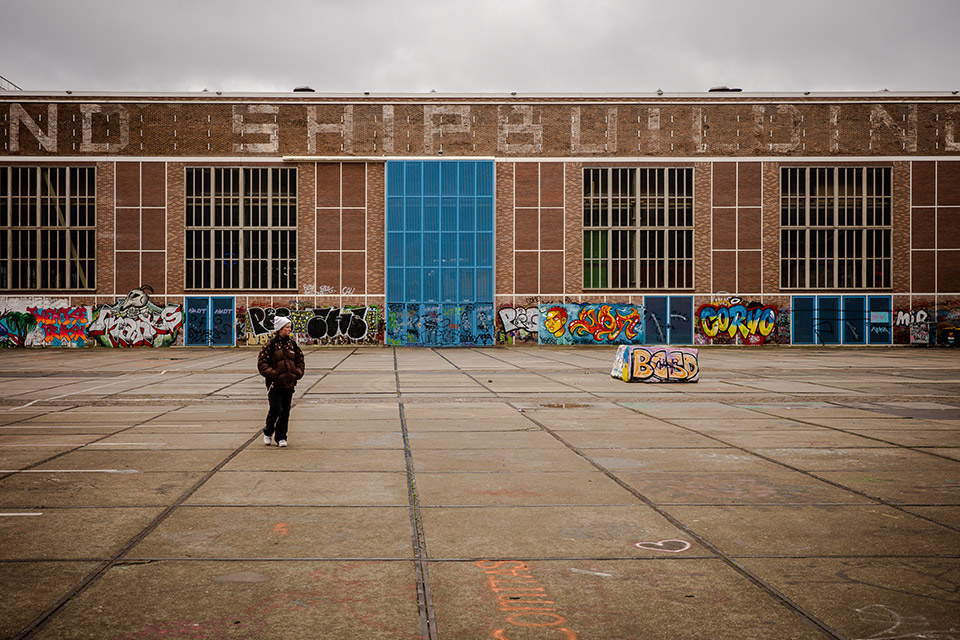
point(279, 414)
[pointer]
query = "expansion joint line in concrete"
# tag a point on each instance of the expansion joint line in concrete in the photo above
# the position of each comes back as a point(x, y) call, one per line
point(428, 619)
point(40, 621)
point(78, 447)
point(726, 558)
point(886, 503)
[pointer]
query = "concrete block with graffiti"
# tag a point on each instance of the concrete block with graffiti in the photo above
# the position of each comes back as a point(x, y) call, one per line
point(656, 364)
point(320, 325)
point(590, 324)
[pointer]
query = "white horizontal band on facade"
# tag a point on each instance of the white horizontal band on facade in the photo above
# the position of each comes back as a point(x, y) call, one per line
point(5, 160)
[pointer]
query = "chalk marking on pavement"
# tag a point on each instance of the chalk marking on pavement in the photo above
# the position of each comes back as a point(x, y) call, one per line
point(69, 471)
point(124, 444)
point(592, 573)
point(17, 515)
point(60, 444)
point(65, 395)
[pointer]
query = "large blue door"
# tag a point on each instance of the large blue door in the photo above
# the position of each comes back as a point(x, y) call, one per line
point(439, 252)
point(210, 321)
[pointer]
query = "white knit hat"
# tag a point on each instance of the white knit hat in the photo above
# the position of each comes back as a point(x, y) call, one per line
point(279, 322)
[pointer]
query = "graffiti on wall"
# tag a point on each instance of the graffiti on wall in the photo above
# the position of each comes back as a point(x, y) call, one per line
point(518, 324)
point(734, 321)
point(590, 324)
point(433, 323)
point(60, 326)
point(320, 325)
point(656, 364)
point(15, 327)
point(135, 321)
point(916, 326)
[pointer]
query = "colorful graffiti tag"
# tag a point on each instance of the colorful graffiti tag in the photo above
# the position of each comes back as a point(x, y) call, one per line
point(322, 325)
point(591, 324)
point(136, 322)
point(656, 364)
point(518, 324)
point(63, 326)
point(15, 327)
point(439, 324)
point(732, 320)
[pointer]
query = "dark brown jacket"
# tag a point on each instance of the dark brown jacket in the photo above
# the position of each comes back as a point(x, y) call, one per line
point(281, 362)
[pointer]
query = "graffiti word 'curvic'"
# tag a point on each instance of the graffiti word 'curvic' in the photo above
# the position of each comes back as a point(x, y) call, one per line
point(757, 321)
point(656, 364)
point(591, 324)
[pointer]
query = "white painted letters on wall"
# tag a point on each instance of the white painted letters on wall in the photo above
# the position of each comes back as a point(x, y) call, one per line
point(343, 128)
point(122, 130)
point(526, 130)
point(243, 128)
point(433, 128)
point(18, 116)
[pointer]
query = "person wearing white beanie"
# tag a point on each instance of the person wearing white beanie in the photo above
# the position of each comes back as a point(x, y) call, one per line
point(281, 364)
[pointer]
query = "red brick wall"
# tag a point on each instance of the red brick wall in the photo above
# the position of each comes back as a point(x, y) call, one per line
point(141, 227)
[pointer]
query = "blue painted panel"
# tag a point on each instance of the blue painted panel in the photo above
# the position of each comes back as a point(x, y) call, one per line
point(680, 329)
point(655, 329)
point(854, 320)
point(222, 324)
point(880, 320)
point(198, 322)
point(828, 320)
point(804, 311)
point(440, 252)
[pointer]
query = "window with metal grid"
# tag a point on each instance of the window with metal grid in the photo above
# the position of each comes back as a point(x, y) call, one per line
point(638, 228)
point(836, 228)
point(241, 228)
point(48, 228)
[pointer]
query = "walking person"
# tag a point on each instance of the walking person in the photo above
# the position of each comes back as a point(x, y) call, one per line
point(281, 364)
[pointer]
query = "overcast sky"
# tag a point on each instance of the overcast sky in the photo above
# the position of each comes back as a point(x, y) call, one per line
point(480, 45)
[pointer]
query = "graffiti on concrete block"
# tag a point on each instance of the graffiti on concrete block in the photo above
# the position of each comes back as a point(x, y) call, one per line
point(136, 322)
point(656, 364)
point(321, 325)
point(518, 324)
point(591, 324)
point(725, 321)
point(61, 327)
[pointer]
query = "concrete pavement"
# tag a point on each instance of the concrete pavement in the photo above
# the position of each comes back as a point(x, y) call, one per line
point(516, 493)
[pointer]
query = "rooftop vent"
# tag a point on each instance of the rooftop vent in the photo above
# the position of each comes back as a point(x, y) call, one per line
point(723, 88)
point(303, 88)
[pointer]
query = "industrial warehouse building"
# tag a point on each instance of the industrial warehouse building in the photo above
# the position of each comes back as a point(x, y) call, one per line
point(432, 219)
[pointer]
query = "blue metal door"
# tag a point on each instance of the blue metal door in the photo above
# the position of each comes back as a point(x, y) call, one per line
point(804, 313)
point(439, 252)
point(881, 318)
point(680, 327)
point(657, 318)
point(828, 319)
point(223, 331)
point(854, 320)
point(210, 321)
point(198, 322)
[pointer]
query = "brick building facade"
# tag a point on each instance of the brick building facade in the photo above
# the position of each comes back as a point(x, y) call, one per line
point(476, 219)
